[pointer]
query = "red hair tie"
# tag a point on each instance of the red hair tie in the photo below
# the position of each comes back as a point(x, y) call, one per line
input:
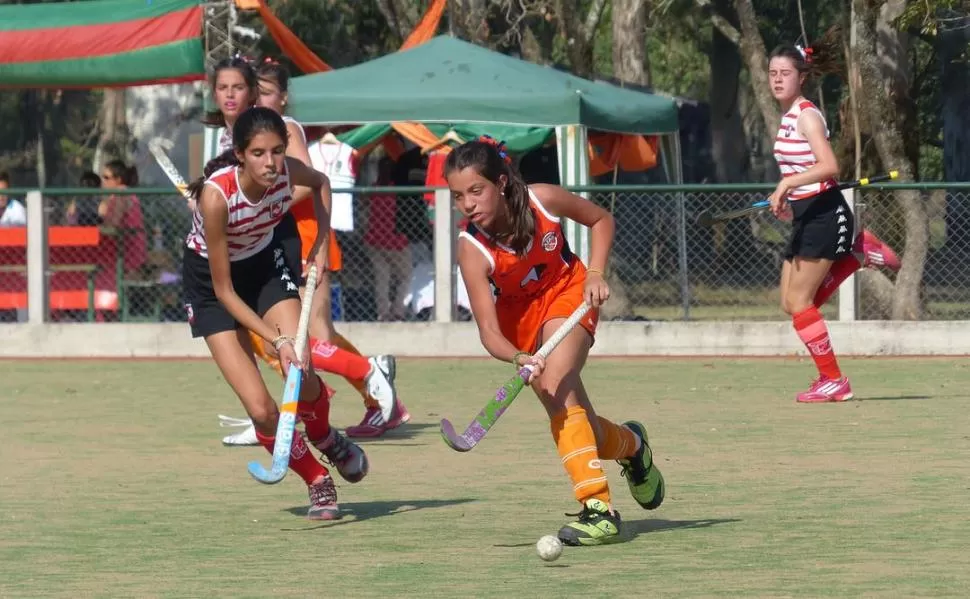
point(499, 146)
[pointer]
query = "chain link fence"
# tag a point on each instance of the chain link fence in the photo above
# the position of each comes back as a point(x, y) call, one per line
point(117, 258)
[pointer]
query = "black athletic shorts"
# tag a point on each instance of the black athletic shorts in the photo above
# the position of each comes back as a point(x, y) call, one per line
point(823, 227)
point(262, 281)
point(288, 236)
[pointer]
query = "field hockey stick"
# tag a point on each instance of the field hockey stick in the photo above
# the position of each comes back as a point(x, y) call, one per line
point(155, 146)
point(291, 394)
point(494, 409)
point(706, 219)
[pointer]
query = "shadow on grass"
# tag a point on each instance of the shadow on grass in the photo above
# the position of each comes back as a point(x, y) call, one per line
point(892, 397)
point(631, 529)
point(366, 510)
point(409, 430)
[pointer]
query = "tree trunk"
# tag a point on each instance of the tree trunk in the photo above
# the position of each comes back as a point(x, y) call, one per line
point(888, 139)
point(755, 57)
point(629, 66)
point(401, 15)
point(629, 43)
point(579, 31)
point(471, 20)
point(955, 83)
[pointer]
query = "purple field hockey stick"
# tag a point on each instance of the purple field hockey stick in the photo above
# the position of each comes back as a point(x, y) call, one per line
point(494, 409)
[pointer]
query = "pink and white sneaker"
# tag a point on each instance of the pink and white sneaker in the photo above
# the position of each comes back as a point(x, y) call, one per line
point(873, 252)
point(825, 390)
point(374, 425)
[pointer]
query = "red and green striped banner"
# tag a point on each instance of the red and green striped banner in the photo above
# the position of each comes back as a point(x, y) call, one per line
point(101, 43)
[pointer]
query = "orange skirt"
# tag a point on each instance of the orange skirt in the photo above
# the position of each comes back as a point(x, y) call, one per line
point(308, 234)
point(521, 321)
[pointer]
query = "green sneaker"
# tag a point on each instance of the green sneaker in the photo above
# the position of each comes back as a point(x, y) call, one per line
point(594, 526)
point(642, 475)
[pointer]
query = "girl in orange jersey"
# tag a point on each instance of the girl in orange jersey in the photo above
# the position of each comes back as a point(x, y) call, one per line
point(374, 377)
point(523, 282)
point(823, 250)
point(236, 278)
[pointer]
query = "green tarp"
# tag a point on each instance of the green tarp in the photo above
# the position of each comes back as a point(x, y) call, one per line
point(450, 81)
point(517, 139)
point(101, 43)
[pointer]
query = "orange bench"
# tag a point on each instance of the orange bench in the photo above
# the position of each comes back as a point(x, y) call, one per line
point(71, 251)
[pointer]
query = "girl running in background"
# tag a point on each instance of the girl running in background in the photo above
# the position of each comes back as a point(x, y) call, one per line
point(236, 278)
point(523, 282)
point(372, 377)
point(823, 250)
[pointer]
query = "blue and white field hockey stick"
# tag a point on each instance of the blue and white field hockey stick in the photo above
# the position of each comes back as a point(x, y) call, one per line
point(706, 219)
point(291, 394)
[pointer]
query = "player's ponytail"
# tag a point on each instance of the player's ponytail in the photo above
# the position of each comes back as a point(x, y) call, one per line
point(823, 57)
point(491, 160)
point(227, 158)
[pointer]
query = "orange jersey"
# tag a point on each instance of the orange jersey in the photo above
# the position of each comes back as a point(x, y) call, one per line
point(544, 284)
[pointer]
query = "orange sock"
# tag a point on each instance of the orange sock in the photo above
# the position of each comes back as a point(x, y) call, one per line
point(301, 460)
point(344, 344)
point(329, 357)
point(618, 440)
point(811, 329)
point(577, 447)
point(316, 416)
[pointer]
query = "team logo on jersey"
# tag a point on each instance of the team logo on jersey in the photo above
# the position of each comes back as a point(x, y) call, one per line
point(549, 242)
point(276, 209)
point(533, 275)
point(788, 129)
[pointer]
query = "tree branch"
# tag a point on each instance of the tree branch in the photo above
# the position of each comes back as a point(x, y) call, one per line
point(592, 20)
point(723, 25)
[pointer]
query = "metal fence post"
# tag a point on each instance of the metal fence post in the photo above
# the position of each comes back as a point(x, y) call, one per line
point(444, 257)
point(37, 297)
point(682, 253)
point(849, 290)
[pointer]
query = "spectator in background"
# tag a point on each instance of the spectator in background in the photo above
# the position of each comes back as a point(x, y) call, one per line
point(81, 211)
point(12, 212)
point(389, 250)
point(121, 210)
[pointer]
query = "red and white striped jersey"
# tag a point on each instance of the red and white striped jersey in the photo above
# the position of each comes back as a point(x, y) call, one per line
point(250, 227)
point(794, 154)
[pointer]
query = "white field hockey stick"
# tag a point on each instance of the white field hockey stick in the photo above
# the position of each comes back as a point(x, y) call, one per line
point(291, 394)
point(490, 414)
point(157, 148)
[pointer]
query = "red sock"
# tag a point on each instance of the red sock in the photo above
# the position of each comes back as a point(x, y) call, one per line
point(301, 460)
point(840, 271)
point(316, 416)
point(811, 328)
point(329, 357)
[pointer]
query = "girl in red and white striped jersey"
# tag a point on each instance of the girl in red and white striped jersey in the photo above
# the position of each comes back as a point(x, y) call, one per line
point(236, 278)
point(823, 249)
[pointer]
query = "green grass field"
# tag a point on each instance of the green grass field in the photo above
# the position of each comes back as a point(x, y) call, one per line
point(113, 483)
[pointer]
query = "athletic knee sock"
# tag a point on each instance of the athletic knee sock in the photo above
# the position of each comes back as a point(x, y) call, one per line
point(577, 448)
point(316, 416)
point(358, 384)
point(301, 460)
point(811, 328)
point(329, 357)
point(617, 440)
point(840, 271)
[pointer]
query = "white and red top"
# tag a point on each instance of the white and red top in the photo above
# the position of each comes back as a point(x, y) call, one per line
point(250, 227)
point(794, 154)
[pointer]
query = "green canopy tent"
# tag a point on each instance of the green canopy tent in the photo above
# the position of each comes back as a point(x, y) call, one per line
point(447, 80)
point(101, 43)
